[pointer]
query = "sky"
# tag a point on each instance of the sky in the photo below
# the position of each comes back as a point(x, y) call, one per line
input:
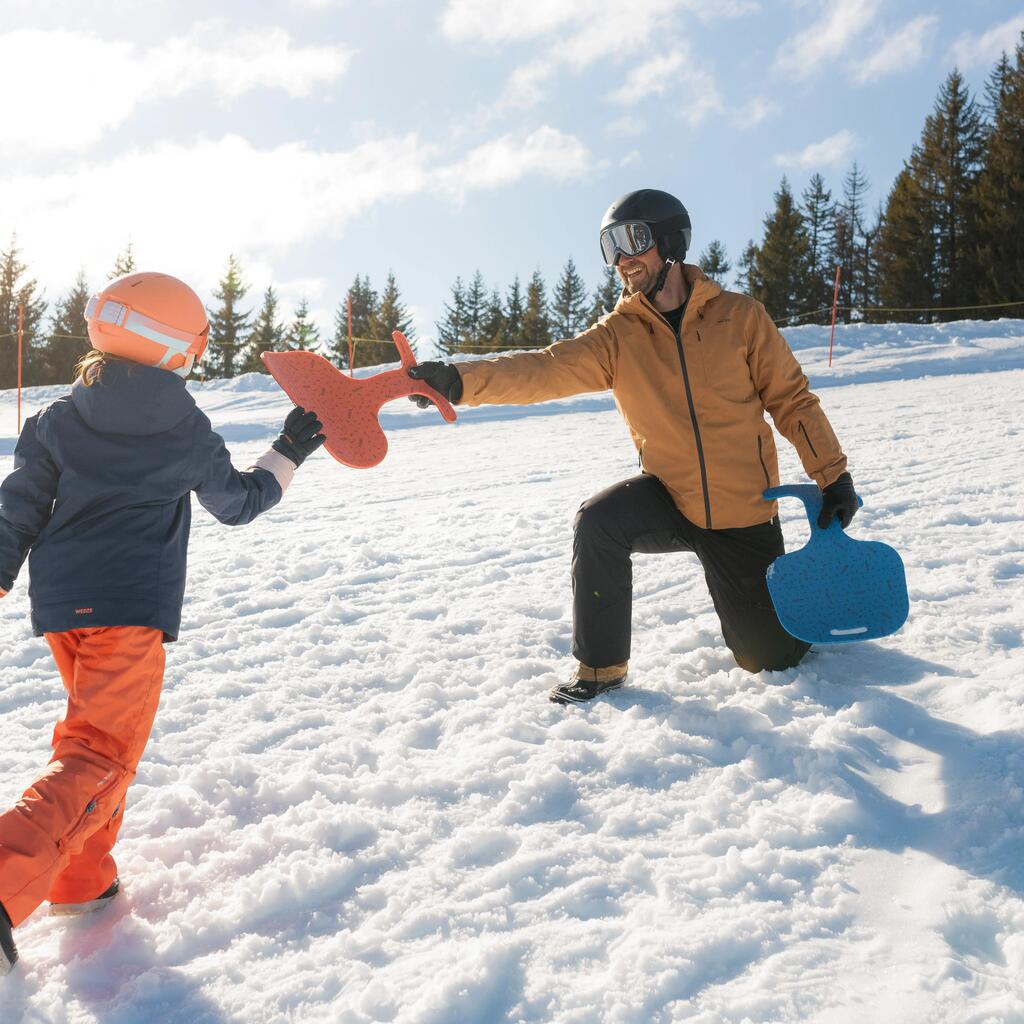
point(320, 139)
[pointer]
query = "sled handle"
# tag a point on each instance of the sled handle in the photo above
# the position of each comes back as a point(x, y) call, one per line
point(404, 349)
point(810, 495)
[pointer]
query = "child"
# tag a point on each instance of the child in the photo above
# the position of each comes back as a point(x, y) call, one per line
point(100, 495)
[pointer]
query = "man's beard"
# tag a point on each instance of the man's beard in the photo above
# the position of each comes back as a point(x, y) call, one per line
point(640, 282)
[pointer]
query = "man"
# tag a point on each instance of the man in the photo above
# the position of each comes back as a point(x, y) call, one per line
point(693, 369)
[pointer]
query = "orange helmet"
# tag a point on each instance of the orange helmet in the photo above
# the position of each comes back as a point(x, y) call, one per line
point(149, 318)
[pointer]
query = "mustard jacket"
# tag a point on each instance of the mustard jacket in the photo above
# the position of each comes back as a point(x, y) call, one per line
point(694, 404)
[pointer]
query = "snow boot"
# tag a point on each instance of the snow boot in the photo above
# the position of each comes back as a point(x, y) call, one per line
point(74, 909)
point(588, 684)
point(8, 951)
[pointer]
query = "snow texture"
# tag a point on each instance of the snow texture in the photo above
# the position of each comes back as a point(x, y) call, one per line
point(358, 805)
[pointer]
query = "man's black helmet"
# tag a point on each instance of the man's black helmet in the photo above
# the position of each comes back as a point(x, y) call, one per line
point(662, 213)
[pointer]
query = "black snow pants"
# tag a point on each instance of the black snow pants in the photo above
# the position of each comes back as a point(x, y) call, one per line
point(639, 515)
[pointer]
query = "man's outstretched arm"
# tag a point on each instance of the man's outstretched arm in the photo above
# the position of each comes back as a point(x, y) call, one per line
point(574, 367)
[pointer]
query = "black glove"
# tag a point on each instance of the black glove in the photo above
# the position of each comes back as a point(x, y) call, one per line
point(839, 501)
point(300, 435)
point(442, 377)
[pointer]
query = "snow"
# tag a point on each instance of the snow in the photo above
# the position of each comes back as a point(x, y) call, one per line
point(358, 805)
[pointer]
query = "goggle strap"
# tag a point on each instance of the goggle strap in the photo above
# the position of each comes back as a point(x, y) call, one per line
point(146, 328)
point(110, 311)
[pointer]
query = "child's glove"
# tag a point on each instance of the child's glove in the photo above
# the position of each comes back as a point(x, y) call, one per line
point(300, 436)
point(3, 593)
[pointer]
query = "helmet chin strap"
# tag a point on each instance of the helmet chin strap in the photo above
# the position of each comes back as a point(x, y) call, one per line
point(662, 276)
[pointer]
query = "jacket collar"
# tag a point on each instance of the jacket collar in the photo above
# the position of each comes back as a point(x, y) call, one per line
point(702, 291)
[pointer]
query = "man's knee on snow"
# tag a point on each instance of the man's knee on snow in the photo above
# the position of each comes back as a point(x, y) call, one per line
point(771, 661)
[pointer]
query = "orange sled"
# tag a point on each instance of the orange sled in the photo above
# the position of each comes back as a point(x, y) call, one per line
point(348, 406)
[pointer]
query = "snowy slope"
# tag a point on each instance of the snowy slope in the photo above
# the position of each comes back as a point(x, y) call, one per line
point(358, 806)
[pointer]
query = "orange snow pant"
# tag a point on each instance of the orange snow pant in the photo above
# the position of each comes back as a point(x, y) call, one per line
point(55, 842)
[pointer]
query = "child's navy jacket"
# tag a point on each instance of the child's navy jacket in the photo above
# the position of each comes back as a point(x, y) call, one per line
point(100, 494)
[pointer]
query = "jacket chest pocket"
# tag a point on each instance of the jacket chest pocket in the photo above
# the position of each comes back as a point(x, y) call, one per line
point(723, 362)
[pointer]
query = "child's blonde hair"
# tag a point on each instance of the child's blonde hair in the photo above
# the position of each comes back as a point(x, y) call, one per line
point(90, 367)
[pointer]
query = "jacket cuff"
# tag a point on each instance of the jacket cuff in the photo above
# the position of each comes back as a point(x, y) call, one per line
point(281, 467)
point(830, 474)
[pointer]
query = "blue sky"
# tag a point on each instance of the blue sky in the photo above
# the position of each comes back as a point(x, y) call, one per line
point(317, 139)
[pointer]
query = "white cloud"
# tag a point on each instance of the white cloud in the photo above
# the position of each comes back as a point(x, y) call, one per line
point(186, 207)
point(900, 51)
point(654, 77)
point(627, 126)
point(587, 31)
point(76, 87)
point(526, 84)
point(499, 21)
point(830, 152)
point(754, 111)
point(679, 75)
point(970, 50)
point(826, 40)
point(503, 161)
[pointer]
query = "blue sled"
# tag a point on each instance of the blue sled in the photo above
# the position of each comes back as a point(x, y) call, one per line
point(835, 589)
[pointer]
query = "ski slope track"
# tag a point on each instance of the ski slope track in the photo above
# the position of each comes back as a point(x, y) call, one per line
point(359, 806)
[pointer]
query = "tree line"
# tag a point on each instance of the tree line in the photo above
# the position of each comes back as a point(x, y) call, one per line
point(238, 335)
point(947, 241)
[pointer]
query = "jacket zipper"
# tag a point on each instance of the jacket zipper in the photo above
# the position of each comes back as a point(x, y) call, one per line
point(803, 430)
point(90, 808)
point(693, 414)
point(760, 458)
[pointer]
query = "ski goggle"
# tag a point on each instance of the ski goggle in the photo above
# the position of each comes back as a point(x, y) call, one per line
point(176, 342)
point(629, 239)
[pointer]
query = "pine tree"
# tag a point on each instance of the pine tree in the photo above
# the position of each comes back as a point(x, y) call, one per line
point(952, 148)
point(819, 215)
point(869, 295)
point(514, 310)
point(476, 304)
point(15, 290)
point(568, 305)
point(365, 303)
point(781, 271)
point(1000, 189)
point(229, 326)
point(906, 250)
point(747, 280)
point(928, 241)
point(125, 262)
point(68, 339)
point(492, 324)
point(1000, 82)
point(267, 334)
point(390, 315)
point(848, 242)
point(302, 335)
point(714, 261)
point(535, 331)
point(366, 327)
point(452, 328)
point(605, 295)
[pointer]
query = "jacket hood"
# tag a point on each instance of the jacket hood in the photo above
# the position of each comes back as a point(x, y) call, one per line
point(702, 291)
point(133, 399)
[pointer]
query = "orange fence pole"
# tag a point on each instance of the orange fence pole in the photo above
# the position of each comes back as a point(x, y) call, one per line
point(835, 301)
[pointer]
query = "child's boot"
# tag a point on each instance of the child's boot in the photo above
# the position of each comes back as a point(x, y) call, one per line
point(8, 951)
point(73, 909)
